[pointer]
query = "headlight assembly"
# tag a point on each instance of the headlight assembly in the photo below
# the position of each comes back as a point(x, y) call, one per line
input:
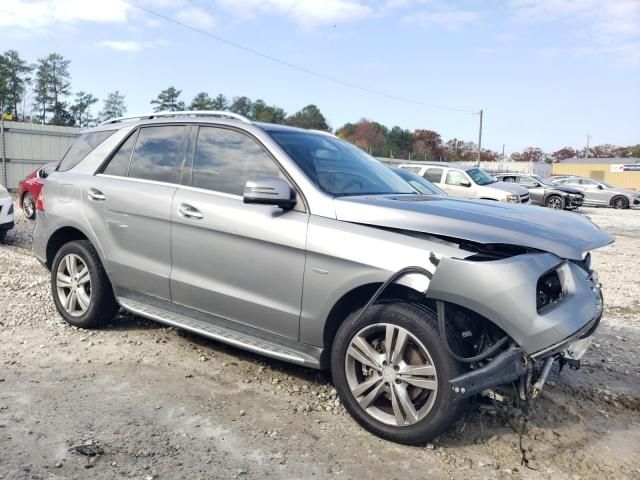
point(513, 199)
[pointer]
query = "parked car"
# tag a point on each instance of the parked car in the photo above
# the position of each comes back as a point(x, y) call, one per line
point(468, 181)
point(6, 212)
point(299, 246)
point(421, 184)
point(543, 192)
point(599, 193)
point(30, 186)
point(555, 179)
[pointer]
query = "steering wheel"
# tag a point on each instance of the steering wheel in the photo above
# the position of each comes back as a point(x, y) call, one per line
point(355, 183)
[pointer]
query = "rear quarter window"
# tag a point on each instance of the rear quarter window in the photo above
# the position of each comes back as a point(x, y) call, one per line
point(82, 147)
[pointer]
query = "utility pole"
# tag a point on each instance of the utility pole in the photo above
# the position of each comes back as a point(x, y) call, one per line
point(503, 153)
point(479, 139)
point(586, 150)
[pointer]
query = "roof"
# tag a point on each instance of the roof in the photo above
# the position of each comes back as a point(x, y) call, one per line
point(459, 166)
point(624, 160)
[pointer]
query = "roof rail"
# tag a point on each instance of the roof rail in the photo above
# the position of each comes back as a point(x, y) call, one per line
point(187, 113)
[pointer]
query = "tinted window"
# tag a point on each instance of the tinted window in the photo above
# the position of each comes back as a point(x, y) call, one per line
point(119, 163)
point(527, 181)
point(158, 154)
point(82, 147)
point(226, 159)
point(587, 182)
point(413, 169)
point(455, 178)
point(434, 175)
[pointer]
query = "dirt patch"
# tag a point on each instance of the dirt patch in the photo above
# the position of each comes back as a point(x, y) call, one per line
point(137, 400)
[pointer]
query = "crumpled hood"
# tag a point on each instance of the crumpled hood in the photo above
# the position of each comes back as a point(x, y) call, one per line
point(565, 234)
point(564, 188)
point(508, 187)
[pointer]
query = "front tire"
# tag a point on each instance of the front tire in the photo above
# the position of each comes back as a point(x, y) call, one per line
point(81, 289)
point(554, 201)
point(29, 206)
point(620, 202)
point(392, 373)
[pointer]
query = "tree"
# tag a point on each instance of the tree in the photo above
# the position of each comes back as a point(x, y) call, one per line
point(369, 135)
point(563, 154)
point(309, 117)
point(62, 115)
point(531, 154)
point(168, 101)
point(53, 84)
point(14, 73)
point(398, 142)
point(81, 109)
point(113, 106)
point(427, 144)
point(261, 112)
point(202, 101)
point(220, 102)
point(346, 131)
point(241, 106)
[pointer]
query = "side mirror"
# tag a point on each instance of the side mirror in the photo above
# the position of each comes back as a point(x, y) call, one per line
point(465, 183)
point(42, 173)
point(600, 187)
point(270, 191)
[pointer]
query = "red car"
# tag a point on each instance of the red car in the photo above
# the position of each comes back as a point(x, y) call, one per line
point(30, 188)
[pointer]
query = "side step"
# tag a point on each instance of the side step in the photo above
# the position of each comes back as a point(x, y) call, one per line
point(237, 335)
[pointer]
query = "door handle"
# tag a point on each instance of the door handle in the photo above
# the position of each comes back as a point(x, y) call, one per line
point(95, 194)
point(187, 211)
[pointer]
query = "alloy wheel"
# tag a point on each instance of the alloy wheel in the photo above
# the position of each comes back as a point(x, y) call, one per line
point(554, 203)
point(73, 284)
point(29, 206)
point(619, 203)
point(391, 374)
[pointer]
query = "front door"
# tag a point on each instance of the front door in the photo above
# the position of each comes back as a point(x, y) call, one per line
point(240, 262)
point(457, 184)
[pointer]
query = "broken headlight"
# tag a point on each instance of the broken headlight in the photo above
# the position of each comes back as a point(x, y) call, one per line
point(548, 290)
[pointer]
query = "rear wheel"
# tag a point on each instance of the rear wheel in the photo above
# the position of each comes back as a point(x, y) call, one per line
point(555, 202)
point(620, 202)
point(81, 290)
point(392, 373)
point(29, 206)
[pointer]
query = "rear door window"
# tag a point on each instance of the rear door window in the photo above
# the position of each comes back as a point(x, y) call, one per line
point(119, 163)
point(434, 175)
point(82, 147)
point(225, 159)
point(159, 154)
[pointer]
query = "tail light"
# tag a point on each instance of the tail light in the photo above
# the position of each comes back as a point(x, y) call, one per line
point(40, 201)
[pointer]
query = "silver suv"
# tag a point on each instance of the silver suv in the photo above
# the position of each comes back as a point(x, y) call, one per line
point(299, 246)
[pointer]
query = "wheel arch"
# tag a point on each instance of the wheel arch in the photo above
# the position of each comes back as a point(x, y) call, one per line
point(61, 237)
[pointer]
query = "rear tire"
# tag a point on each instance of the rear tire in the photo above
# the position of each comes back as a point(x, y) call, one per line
point(29, 206)
point(620, 202)
point(390, 385)
point(81, 289)
point(554, 201)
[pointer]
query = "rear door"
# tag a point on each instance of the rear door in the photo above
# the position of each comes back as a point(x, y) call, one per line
point(241, 262)
point(128, 205)
point(434, 175)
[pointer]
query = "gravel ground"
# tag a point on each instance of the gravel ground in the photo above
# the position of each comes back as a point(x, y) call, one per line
point(138, 400)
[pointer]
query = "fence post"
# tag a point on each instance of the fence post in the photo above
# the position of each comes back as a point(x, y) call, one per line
point(2, 151)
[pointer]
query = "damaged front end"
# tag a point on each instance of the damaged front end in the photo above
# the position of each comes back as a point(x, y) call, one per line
point(541, 308)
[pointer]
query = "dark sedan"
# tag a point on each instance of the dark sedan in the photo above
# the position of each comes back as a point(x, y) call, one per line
point(543, 192)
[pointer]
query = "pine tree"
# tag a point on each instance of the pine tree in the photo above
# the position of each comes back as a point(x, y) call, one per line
point(168, 100)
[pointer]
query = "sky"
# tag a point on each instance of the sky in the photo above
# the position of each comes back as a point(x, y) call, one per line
point(545, 72)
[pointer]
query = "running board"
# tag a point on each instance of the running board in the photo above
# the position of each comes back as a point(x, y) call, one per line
point(246, 338)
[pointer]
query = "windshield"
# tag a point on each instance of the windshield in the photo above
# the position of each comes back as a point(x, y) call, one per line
point(337, 167)
point(542, 181)
point(480, 177)
point(421, 184)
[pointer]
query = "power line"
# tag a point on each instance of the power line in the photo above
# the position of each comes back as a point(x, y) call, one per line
point(292, 65)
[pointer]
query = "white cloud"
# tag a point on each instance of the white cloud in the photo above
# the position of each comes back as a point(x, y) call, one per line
point(607, 28)
point(304, 12)
point(40, 14)
point(450, 19)
point(196, 17)
point(131, 46)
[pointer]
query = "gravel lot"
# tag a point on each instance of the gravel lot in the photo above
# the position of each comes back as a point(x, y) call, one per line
point(138, 400)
